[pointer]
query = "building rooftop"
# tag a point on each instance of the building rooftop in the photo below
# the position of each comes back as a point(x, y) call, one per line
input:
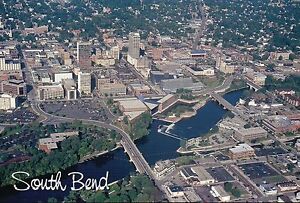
point(188, 172)
point(69, 84)
point(166, 98)
point(202, 173)
point(241, 148)
point(133, 114)
point(138, 86)
point(132, 104)
point(220, 190)
point(198, 52)
point(176, 189)
point(49, 142)
point(251, 131)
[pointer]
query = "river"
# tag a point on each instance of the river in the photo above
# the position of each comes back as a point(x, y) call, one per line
point(154, 147)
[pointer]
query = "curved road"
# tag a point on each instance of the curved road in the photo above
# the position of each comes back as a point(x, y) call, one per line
point(131, 149)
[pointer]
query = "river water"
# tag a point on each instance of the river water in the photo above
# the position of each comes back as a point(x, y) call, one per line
point(154, 147)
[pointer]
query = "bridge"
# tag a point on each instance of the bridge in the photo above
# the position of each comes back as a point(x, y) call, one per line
point(225, 104)
point(252, 85)
point(136, 157)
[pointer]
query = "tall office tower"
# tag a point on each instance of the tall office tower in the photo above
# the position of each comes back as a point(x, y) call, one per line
point(115, 52)
point(84, 54)
point(84, 83)
point(134, 45)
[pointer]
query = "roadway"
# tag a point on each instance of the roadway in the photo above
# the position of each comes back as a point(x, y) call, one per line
point(200, 30)
point(133, 152)
point(221, 88)
point(225, 103)
point(252, 84)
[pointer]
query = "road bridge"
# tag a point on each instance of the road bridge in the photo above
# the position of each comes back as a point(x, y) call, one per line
point(252, 85)
point(225, 103)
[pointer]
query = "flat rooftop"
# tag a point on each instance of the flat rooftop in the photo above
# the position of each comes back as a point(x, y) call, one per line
point(132, 104)
point(241, 148)
point(251, 131)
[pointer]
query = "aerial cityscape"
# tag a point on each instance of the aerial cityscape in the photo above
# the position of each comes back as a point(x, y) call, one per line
point(149, 101)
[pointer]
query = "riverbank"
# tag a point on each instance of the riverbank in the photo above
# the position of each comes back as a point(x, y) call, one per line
point(185, 115)
point(93, 156)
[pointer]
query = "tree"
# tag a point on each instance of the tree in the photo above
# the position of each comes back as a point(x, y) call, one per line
point(292, 57)
point(110, 102)
point(125, 119)
point(228, 186)
point(236, 192)
point(100, 197)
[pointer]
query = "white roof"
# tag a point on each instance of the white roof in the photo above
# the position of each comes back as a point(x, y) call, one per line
point(241, 148)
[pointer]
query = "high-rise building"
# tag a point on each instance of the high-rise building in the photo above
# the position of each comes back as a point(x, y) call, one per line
point(84, 83)
point(84, 54)
point(134, 45)
point(115, 52)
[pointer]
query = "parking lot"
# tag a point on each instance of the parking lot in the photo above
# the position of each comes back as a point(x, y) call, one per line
point(221, 157)
point(204, 193)
point(269, 151)
point(257, 170)
point(87, 109)
point(22, 115)
point(220, 174)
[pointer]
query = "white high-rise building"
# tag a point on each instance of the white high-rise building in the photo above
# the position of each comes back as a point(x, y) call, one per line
point(115, 52)
point(134, 45)
point(84, 83)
